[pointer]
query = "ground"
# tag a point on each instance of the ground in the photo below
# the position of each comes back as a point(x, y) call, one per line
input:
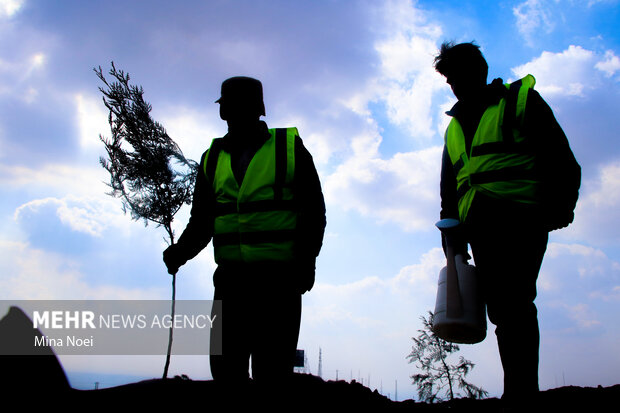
point(310, 392)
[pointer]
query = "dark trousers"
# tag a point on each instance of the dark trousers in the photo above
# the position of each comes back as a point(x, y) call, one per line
point(260, 319)
point(508, 258)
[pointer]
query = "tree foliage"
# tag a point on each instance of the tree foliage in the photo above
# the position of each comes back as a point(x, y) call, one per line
point(438, 377)
point(147, 168)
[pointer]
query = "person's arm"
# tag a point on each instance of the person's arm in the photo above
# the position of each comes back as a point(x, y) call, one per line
point(199, 230)
point(447, 191)
point(450, 204)
point(311, 220)
point(559, 170)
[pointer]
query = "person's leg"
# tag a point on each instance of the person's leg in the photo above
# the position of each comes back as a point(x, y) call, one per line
point(509, 262)
point(273, 355)
point(231, 328)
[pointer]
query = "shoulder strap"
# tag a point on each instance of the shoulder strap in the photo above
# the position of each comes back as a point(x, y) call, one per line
point(509, 116)
point(514, 111)
point(280, 135)
point(284, 158)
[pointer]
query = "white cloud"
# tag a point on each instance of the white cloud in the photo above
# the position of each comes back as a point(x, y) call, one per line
point(407, 81)
point(591, 79)
point(595, 2)
point(578, 287)
point(16, 76)
point(399, 89)
point(32, 274)
point(35, 62)
point(344, 304)
point(612, 294)
point(89, 216)
point(75, 196)
point(555, 250)
point(92, 120)
point(577, 263)
point(441, 114)
point(319, 146)
point(597, 215)
point(610, 65)
point(582, 316)
point(579, 75)
point(403, 189)
point(55, 179)
point(573, 79)
point(415, 284)
point(191, 129)
point(8, 8)
point(421, 278)
point(534, 16)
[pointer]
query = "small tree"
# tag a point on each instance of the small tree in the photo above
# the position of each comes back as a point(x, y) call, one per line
point(147, 168)
point(439, 377)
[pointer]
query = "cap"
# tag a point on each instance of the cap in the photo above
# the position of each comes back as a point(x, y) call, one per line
point(242, 88)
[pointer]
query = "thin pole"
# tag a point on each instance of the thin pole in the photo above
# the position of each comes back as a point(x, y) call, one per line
point(174, 288)
point(174, 278)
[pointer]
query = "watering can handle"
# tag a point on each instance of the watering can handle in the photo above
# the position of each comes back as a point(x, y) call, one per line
point(453, 295)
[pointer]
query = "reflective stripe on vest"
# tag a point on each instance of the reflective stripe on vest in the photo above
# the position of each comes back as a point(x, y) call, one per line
point(501, 161)
point(257, 220)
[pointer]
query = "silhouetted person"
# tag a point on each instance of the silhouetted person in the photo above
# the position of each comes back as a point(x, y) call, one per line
point(509, 175)
point(259, 198)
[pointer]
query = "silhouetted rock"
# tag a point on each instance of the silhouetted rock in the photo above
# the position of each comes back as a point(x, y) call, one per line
point(26, 367)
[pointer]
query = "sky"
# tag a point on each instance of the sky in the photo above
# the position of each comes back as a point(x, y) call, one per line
point(356, 79)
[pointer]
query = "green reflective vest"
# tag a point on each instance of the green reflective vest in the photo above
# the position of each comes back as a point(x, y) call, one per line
point(256, 221)
point(500, 163)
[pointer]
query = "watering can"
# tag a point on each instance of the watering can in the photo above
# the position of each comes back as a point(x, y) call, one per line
point(460, 311)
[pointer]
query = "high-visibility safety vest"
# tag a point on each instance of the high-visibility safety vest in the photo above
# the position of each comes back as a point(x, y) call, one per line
point(255, 222)
point(500, 163)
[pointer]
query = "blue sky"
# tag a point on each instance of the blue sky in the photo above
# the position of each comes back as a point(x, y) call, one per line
point(356, 79)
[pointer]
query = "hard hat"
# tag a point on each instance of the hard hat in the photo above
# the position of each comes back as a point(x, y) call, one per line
point(243, 89)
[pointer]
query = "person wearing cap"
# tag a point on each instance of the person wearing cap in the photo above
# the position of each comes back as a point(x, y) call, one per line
point(258, 198)
point(509, 176)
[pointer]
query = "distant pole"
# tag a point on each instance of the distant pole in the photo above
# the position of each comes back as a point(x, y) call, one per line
point(320, 364)
point(336, 375)
point(395, 390)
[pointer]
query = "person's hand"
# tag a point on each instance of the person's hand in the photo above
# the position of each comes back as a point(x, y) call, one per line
point(460, 247)
point(305, 276)
point(559, 221)
point(173, 259)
